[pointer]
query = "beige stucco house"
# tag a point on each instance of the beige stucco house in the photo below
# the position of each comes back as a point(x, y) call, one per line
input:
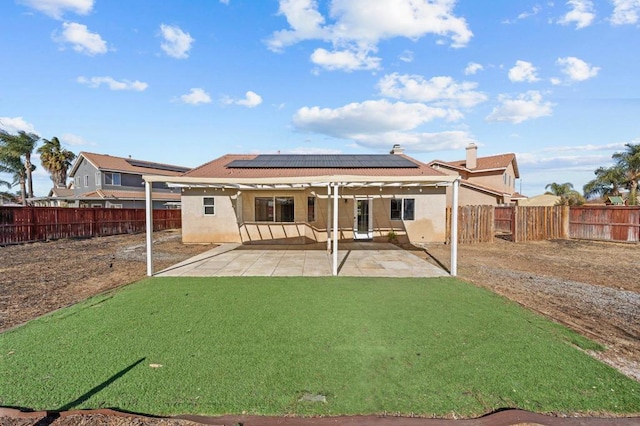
point(297, 199)
point(484, 180)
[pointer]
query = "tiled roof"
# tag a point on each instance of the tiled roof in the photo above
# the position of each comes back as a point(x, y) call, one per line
point(493, 162)
point(217, 169)
point(61, 192)
point(128, 165)
point(103, 194)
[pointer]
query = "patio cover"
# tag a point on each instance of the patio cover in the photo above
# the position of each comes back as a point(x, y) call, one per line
point(333, 183)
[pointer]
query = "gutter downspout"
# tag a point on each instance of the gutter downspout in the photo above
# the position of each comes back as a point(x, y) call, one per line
point(454, 228)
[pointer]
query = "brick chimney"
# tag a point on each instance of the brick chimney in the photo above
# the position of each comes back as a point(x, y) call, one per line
point(397, 149)
point(472, 156)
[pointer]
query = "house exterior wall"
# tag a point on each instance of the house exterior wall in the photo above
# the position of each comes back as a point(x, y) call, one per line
point(234, 219)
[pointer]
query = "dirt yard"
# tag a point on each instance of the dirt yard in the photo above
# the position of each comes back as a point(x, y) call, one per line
point(591, 287)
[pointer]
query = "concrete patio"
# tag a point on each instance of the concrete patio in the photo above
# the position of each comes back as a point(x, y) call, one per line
point(356, 259)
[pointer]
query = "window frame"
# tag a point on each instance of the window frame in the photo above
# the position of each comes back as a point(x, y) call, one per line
point(407, 210)
point(273, 209)
point(209, 209)
point(112, 175)
point(311, 209)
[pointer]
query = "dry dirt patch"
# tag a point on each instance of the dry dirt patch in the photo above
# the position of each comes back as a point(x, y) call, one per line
point(39, 278)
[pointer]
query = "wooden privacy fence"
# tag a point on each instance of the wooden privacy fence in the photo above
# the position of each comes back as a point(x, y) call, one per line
point(29, 224)
point(611, 223)
point(477, 224)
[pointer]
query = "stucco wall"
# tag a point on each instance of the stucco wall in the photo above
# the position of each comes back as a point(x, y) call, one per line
point(222, 227)
point(428, 226)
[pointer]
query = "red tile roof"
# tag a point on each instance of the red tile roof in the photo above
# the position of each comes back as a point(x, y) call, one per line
point(105, 194)
point(217, 169)
point(499, 162)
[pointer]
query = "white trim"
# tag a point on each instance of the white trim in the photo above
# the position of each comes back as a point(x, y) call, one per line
point(454, 228)
point(149, 220)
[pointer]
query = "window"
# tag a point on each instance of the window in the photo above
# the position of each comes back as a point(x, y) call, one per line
point(98, 180)
point(274, 209)
point(403, 208)
point(311, 209)
point(86, 180)
point(112, 178)
point(209, 204)
point(77, 181)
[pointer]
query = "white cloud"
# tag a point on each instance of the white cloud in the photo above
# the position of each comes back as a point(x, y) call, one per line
point(113, 84)
point(196, 96)
point(523, 71)
point(524, 15)
point(581, 13)
point(74, 140)
point(358, 25)
point(57, 8)
point(366, 118)
point(406, 56)
point(176, 42)
point(380, 124)
point(443, 91)
point(15, 124)
point(345, 60)
point(82, 40)
point(472, 68)
point(588, 147)
point(526, 106)
point(418, 141)
point(625, 12)
point(224, 2)
point(577, 69)
point(251, 100)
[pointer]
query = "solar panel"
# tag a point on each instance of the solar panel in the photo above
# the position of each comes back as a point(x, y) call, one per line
point(323, 161)
point(157, 166)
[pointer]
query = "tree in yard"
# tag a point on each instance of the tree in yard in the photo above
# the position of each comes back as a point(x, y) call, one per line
point(608, 182)
point(15, 167)
point(568, 195)
point(628, 162)
point(20, 146)
point(56, 160)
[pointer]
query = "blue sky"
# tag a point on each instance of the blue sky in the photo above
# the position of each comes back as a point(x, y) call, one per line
point(183, 82)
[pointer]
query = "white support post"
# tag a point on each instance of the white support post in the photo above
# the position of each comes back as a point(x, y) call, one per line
point(454, 228)
point(335, 229)
point(329, 217)
point(149, 220)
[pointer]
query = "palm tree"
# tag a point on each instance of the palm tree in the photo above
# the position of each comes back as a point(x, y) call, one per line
point(629, 163)
point(56, 160)
point(20, 145)
point(607, 183)
point(568, 195)
point(15, 167)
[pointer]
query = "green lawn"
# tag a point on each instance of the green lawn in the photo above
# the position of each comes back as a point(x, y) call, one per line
point(258, 345)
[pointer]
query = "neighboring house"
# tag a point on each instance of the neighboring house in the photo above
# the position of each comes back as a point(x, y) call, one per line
point(485, 180)
point(300, 198)
point(543, 200)
point(58, 196)
point(100, 180)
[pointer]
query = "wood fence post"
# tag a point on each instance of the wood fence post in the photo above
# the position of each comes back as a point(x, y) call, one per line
point(514, 224)
point(566, 214)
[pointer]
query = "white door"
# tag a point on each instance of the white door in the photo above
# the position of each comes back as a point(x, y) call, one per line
point(363, 219)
